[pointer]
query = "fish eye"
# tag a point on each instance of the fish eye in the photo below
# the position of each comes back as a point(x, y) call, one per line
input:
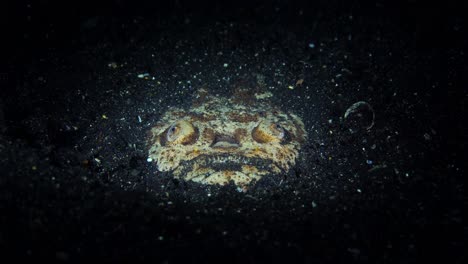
point(181, 132)
point(172, 133)
point(278, 130)
point(269, 132)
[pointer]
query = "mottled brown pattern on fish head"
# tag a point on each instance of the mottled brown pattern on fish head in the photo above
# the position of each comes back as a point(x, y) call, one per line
point(201, 117)
point(242, 117)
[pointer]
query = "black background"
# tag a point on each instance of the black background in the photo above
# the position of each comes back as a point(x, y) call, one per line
point(75, 184)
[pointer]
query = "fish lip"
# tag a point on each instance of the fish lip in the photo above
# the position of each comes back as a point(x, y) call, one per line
point(225, 141)
point(220, 162)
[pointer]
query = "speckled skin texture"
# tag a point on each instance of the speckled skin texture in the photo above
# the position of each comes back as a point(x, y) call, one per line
point(240, 138)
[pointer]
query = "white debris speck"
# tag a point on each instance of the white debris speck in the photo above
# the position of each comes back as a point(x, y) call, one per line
point(161, 238)
point(209, 194)
point(149, 159)
point(314, 204)
point(225, 65)
point(427, 136)
point(311, 45)
point(139, 119)
point(143, 75)
point(359, 190)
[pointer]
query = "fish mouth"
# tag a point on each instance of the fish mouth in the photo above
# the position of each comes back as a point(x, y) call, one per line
point(225, 141)
point(221, 169)
point(224, 162)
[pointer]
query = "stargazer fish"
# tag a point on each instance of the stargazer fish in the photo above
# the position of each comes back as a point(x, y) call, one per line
point(240, 138)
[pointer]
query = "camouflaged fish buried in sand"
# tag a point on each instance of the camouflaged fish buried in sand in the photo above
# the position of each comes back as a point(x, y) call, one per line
point(241, 139)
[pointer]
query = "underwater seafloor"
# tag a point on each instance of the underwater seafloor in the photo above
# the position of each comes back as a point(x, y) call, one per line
point(384, 185)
